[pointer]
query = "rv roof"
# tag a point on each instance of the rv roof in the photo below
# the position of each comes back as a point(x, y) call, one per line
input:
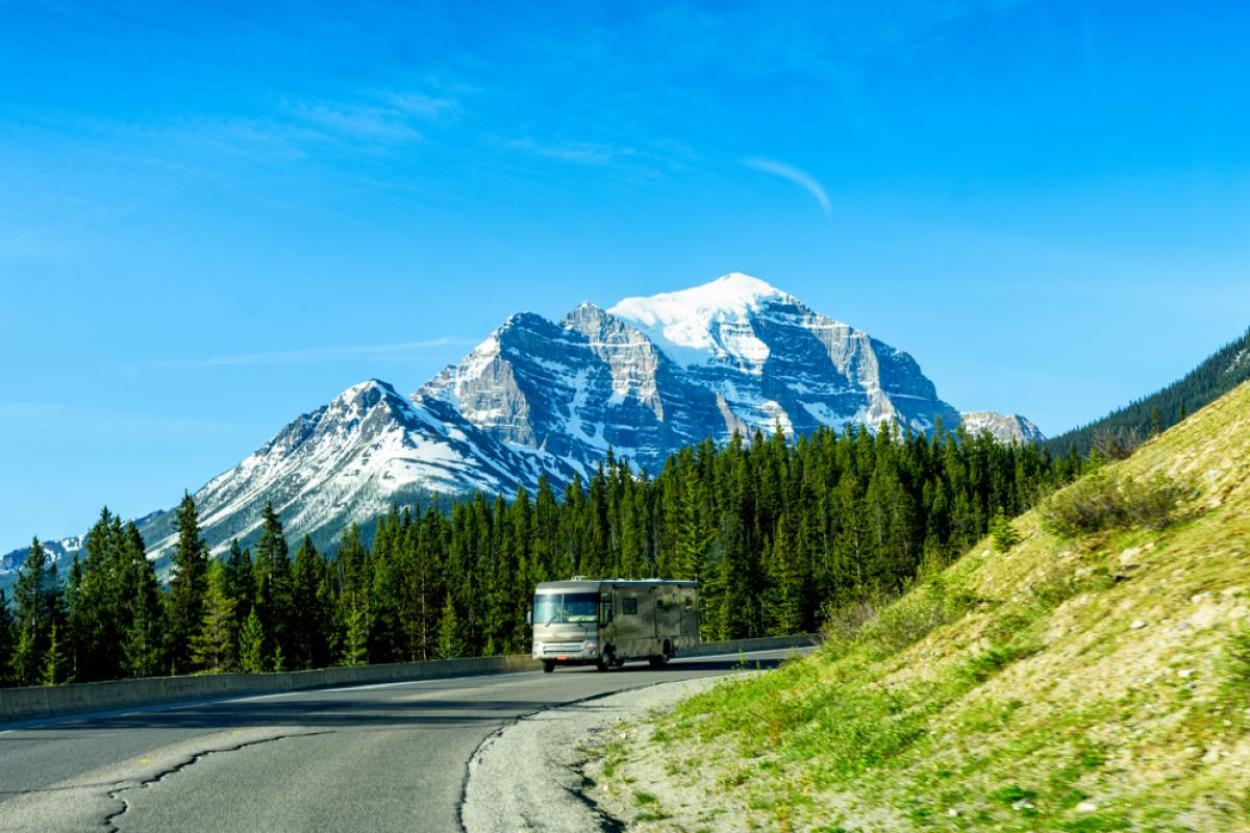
point(578, 583)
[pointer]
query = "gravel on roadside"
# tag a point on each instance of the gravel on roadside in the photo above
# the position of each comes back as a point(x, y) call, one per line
point(528, 777)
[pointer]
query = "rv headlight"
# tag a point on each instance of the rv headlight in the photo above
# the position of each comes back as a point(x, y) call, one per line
point(590, 645)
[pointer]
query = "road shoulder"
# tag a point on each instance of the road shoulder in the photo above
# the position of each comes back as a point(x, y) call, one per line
point(531, 775)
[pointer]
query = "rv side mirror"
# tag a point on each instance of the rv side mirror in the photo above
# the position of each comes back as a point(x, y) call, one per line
point(605, 614)
point(529, 617)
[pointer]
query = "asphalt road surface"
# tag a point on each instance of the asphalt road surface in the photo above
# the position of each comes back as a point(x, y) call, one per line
point(368, 758)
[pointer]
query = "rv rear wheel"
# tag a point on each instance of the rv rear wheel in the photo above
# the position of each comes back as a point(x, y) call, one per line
point(659, 660)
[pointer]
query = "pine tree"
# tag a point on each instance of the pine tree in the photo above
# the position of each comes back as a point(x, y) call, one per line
point(213, 648)
point(188, 587)
point(311, 600)
point(272, 569)
point(450, 643)
point(144, 620)
point(36, 598)
point(356, 644)
point(252, 645)
point(54, 659)
point(1004, 534)
point(6, 639)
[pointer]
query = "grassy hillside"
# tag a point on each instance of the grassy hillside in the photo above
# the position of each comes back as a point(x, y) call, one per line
point(1089, 682)
point(1224, 370)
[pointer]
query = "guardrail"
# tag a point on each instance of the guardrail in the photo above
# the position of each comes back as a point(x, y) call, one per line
point(35, 702)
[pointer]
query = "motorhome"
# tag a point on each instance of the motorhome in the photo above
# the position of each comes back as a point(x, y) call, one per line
point(609, 622)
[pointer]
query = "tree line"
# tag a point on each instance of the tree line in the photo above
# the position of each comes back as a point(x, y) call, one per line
point(777, 532)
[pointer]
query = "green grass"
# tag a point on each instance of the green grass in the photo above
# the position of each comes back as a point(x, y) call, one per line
point(1025, 688)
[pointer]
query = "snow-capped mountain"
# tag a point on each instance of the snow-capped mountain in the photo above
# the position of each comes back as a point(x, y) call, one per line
point(643, 378)
point(574, 389)
point(350, 460)
point(1007, 428)
point(774, 360)
point(650, 375)
point(57, 550)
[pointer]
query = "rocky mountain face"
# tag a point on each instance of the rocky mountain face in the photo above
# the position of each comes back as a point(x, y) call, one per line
point(1008, 428)
point(350, 460)
point(772, 360)
point(58, 551)
point(538, 397)
point(651, 375)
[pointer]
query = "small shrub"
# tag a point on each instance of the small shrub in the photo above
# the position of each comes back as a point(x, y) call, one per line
point(1003, 533)
point(994, 659)
point(1089, 505)
point(1012, 794)
point(1102, 501)
point(844, 622)
point(1116, 443)
point(912, 617)
point(1154, 503)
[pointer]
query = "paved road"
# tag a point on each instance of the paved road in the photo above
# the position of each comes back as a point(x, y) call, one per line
point(369, 758)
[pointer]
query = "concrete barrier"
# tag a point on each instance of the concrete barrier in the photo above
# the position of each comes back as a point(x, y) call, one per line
point(766, 643)
point(17, 704)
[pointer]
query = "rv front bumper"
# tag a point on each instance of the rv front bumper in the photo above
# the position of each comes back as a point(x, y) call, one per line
point(566, 651)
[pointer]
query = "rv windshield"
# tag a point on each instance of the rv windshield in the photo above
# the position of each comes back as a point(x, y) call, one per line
point(558, 608)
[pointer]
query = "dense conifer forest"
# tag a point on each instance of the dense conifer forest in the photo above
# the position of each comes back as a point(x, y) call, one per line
point(776, 531)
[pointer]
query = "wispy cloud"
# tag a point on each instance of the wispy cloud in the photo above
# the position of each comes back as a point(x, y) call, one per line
point(382, 117)
point(794, 175)
point(392, 352)
point(584, 153)
point(373, 120)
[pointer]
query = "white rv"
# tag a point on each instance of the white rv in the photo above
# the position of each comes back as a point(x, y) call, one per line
point(610, 622)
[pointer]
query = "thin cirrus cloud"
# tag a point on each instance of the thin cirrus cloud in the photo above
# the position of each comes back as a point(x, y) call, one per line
point(793, 175)
point(582, 153)
point(372, 120)
point(393, 352)
point(386, 117)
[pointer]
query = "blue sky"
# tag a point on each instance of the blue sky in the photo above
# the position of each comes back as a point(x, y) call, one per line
point(214, 217)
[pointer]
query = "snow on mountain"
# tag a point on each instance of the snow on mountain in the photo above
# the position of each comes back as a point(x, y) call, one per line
point(773, 360)
point(58, 550)
point(349, 460)
point(1006, 428)
point(705, 323)
point(643, 379)
point(576, 389)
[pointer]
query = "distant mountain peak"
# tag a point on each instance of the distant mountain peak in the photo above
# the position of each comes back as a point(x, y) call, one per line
point(1006, 428)
point(690, 319)
point(707, 323)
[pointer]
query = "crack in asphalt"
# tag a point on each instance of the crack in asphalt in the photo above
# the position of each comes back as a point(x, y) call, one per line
point(109, 820)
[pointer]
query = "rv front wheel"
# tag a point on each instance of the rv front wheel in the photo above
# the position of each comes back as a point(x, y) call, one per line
point(549, 665)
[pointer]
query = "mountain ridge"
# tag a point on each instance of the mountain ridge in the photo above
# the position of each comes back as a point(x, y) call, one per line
point(538, 397)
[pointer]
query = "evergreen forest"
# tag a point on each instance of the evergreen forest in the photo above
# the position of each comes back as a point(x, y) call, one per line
point(777, 531)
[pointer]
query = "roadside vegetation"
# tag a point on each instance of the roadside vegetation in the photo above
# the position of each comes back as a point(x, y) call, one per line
point(1085, 667)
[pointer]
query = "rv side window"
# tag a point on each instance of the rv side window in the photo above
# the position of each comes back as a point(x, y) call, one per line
point(629, 606)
